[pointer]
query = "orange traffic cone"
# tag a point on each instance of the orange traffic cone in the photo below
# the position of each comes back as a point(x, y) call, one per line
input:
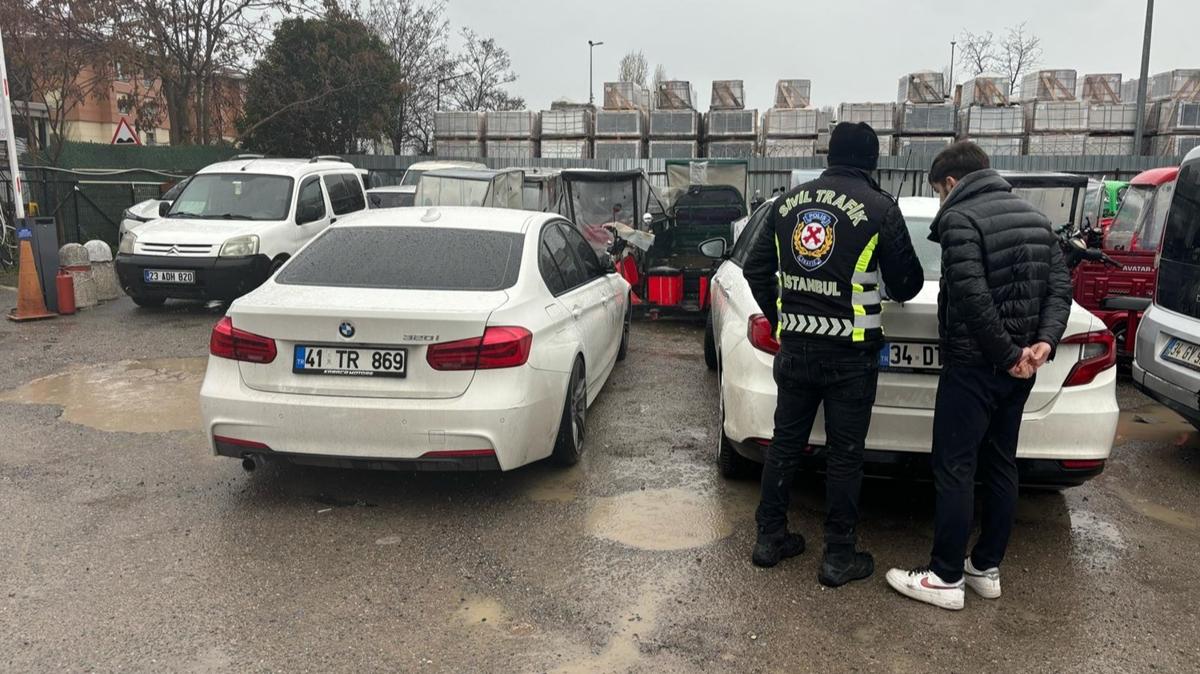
point(30, 305)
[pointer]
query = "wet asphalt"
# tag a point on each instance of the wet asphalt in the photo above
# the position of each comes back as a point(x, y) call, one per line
point(127, 547)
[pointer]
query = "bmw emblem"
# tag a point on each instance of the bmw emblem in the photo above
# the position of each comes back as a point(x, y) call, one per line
point(346, 329)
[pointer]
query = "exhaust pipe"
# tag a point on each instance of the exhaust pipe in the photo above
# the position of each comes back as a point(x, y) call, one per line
point(249, 463)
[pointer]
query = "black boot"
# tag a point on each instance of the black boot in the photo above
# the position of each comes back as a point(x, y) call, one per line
point(840, 566)
point(769, 549)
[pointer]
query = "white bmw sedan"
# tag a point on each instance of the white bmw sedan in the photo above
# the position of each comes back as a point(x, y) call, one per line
point(439, 339)
point(1070, 419)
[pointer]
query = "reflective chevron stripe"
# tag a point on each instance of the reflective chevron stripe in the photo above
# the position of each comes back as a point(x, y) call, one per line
point(816, 325)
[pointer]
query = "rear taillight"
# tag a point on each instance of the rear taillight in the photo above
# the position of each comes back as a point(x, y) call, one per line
point(761, 336)
point(1097, 353)
point(499, 347)
point(229, 342)
point(1081, 464)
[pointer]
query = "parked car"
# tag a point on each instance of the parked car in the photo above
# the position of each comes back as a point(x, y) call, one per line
point(234, 224)
point(412, 175)
point(1166, 363)
point(458, 338)
point(392, 196)
point(489, 188)
point(144, 211)
point(1070, 419)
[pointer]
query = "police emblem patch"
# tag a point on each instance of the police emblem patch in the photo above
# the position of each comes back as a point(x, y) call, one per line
point(813, 238)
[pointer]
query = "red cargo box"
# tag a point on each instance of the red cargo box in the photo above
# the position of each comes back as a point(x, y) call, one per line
point(665, 286)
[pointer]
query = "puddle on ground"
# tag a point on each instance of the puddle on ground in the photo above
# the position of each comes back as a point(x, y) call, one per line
point(1155, 511)
point(623, 653)
point(1156, 423)
point(1096, 542)
point(660, 519)
point(481, 611)
point(132, 396)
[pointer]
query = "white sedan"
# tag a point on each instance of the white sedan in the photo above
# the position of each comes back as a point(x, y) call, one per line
point(440, 339)
point(1069, 422)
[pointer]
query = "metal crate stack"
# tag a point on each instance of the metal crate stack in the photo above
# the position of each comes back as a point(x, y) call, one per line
point(566, 133)
point(621, 124)
point(512, 134)
point(674, 122)
point(789, 128)
point(987, 118)
point(925, 121)
point(1110, 121)
point(458, 134)
point(881, 117)
point(825, 122)
point(1054, 118)
point(731, 130)
point(1174, 116)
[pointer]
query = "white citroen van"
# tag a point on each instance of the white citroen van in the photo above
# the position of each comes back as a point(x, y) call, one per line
point(233, 225)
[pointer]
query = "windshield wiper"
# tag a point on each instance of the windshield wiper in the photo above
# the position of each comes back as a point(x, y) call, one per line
point(183, 214)
point(234, 216)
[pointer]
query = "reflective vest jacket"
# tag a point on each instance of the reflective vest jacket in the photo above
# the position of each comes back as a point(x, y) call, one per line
point(816, 263)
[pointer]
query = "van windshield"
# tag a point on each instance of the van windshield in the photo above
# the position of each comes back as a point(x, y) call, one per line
point(1179, 265)
point(234, 196)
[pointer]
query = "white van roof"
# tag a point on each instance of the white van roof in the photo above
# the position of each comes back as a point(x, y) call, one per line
point(293, 168)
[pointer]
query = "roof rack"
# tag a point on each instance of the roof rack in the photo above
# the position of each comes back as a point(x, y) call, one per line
point(325, 157)
point(250, 156)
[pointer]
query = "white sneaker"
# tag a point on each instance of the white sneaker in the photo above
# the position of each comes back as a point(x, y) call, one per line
point(985, 583)
point(925, 585)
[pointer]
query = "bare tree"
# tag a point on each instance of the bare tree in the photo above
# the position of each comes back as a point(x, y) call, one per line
point(977, 52)
point(194, 48)
point(58, 55)
point(486, 68)
point(1019, 52)
point(416, 33)
point(634, 68)
point(660, 75)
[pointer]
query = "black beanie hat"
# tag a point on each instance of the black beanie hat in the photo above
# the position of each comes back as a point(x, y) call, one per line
point(854, 145)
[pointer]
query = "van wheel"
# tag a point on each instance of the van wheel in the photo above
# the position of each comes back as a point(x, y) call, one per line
point(148, 302)
point(623, 350)
point(710, 344)
point(568, 447)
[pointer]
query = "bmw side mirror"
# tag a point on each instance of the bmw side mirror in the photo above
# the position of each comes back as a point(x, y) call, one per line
point(163, 208)
point(714, 248)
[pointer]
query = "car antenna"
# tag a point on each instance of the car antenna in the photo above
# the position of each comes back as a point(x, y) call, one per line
point(250, 158)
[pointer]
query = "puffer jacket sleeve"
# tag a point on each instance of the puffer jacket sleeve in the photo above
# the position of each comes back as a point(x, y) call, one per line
point(903, 276)
point(968, 295)
point(760, 269)
point(1056, 306)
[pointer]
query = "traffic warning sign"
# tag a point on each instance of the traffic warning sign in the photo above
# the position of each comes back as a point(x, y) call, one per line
point(125, 135)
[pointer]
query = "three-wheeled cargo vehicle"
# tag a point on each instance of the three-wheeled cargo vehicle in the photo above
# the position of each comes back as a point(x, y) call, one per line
point(494, 188)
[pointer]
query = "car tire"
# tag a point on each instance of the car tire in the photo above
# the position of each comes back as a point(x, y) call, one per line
point(148, 302)
point(710, 344)
point(568, 446)
point(731, 464)
point(623, 350)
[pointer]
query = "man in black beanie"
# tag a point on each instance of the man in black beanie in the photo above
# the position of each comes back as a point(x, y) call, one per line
point(815, 272)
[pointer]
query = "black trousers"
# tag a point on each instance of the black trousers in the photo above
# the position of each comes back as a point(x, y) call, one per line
point(976, 425)
point(843, 377)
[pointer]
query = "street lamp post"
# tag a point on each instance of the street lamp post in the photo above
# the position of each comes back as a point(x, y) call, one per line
point(591, 92)
point(1143, 76)
point(950, 84)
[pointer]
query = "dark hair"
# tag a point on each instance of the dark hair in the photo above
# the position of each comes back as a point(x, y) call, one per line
point(957, 160)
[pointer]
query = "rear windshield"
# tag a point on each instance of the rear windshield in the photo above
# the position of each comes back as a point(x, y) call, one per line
point(408, 258)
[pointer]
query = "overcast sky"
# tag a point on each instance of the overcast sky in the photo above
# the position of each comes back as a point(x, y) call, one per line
point(852, 50)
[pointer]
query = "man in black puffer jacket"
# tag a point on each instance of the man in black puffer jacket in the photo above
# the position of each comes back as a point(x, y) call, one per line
point(1003, 306)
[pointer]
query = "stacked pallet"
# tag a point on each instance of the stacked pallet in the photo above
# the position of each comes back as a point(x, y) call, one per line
point(512, 134)
point(674, 123)
point(925, 121)
point(730, 129)
point(1174, 116)
point(988, 119)
point(566, 132)
point(880, 116)
point(1110, 120)
point(1056, 120)
point(458, 134)
point(789, 129)
point(621, 123)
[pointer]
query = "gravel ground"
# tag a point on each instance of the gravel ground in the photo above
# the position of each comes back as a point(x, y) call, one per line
point(129, 548)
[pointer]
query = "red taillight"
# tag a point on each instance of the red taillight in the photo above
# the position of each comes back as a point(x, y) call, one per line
point(761, 336)
point(1098, 352)
point(499, 347)
point(236, 442)
point(229, 342)
point(459, 454)
point(1082, 464)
